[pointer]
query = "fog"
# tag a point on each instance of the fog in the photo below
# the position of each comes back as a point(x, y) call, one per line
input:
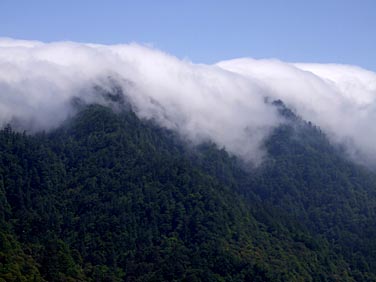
point(224, 102)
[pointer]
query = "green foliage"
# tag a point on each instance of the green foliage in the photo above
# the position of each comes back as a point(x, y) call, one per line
point(108, 197)
point(310, 189)
point(15, 265)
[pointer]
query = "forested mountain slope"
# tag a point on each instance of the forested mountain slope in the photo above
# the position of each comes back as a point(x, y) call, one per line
point(110, 197)
point(311, 184)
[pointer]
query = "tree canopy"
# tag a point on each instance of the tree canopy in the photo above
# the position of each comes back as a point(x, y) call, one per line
point(110, 197)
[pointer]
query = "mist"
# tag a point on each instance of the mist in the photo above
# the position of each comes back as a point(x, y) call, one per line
point(223, 103)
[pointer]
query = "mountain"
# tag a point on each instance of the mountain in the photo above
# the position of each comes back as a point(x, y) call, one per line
point(110, 197)
point(312, 184)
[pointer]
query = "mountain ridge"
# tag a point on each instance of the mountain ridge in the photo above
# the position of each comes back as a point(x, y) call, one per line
point(110, 197)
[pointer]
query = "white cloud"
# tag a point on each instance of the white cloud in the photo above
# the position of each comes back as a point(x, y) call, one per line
point(338, 98)
point(222, 102)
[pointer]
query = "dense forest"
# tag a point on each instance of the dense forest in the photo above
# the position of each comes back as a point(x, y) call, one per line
point(110, 197)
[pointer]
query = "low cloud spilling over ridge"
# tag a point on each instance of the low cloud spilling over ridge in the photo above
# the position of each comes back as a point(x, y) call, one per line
point(224, 102)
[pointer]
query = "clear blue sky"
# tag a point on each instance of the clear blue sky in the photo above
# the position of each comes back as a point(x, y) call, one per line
point(329, 31)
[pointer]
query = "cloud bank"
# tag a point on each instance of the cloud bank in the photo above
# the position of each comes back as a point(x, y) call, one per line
point(224, 102)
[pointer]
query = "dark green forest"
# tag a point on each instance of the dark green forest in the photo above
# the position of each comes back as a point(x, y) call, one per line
point(110, 197)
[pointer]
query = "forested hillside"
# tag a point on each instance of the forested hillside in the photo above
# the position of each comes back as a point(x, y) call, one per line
point(110, 197)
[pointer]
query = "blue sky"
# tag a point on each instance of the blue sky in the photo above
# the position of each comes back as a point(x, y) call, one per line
point(331, 31)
